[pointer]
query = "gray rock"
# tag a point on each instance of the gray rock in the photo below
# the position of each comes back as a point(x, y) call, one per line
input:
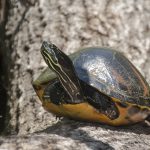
point(123, 25)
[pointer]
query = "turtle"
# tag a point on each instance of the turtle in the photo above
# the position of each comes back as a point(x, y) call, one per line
point(94, 84)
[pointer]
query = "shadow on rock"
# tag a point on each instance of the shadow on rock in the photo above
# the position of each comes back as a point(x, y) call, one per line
point(140, 128)
point(69, 128)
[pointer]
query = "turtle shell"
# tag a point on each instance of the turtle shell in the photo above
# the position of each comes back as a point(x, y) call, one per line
point(112, 73)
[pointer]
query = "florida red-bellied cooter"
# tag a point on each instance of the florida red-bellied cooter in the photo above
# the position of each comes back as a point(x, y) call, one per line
point(94, 84)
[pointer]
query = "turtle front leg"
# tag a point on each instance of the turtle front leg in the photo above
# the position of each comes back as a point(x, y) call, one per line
point(100, 102)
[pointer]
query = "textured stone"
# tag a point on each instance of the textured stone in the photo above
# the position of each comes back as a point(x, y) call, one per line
point(123, 25)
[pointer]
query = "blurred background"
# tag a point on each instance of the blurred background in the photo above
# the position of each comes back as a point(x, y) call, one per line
point(69, 24)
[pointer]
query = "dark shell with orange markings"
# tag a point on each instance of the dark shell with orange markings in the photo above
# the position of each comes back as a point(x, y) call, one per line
point(112, 73)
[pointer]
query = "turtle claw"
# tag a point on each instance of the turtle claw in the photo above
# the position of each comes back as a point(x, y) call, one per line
point(58, 118)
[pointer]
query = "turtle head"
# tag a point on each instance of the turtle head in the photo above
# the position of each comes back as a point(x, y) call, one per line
point(55, 58)
point(50, 54)
point(61, 64)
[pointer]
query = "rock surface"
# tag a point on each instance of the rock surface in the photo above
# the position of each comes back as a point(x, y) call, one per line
point(123, 25)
